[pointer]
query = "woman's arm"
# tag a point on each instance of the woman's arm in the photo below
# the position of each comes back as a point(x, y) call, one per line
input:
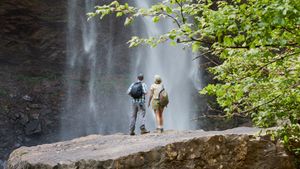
point(150, 97)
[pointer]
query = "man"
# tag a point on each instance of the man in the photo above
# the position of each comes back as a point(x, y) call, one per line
point(137, 91)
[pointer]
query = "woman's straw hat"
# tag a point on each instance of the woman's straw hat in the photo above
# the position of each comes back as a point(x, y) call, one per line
point(157, 79)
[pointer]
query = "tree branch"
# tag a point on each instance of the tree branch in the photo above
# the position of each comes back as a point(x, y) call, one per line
point(201, 54)
point(259, 46)
point(191, 40)
point(181, 10)
point(207, 57)
point(219, 116)
point(253, 108)
point(275, 60)
point(173, 18)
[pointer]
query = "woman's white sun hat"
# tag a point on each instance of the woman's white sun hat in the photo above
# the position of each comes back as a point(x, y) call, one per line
point(157, 79)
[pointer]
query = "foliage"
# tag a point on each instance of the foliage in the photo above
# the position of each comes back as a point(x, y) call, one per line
point(290, 135)
point(258, 43)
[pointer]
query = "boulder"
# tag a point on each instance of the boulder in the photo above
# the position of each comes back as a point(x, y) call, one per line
point(230, 149)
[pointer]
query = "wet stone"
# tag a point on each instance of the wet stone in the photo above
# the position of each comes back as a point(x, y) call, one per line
point(33, 127)
point(27, 98)
point(35, 106)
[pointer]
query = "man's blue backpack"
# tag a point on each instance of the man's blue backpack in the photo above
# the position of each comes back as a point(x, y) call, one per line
point(137, 90)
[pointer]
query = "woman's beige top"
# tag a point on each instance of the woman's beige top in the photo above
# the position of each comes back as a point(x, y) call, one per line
point(155, 89)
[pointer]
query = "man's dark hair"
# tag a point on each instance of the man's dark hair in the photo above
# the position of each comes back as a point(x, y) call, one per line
point(140, 77)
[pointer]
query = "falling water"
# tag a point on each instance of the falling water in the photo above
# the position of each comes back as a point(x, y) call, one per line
point(98, 69)
point(174, 65)
point(96, 101)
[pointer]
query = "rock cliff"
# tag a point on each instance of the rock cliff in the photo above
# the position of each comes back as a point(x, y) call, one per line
point(32, 70)
point(230, 149)
point(32, 56)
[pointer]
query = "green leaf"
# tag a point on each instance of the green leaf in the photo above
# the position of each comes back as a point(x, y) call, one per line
point(173, 43)
point(156, 19)
point(239, 39)
point(228, 41)
point(119, 14)
point(126, 5)
point(286, 139)
point(196, 46)
point(128, 21)
point(169, 10)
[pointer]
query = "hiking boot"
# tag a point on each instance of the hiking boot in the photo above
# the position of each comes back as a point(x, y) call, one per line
point(144, 131)
point(132, 133)
point(159, 130)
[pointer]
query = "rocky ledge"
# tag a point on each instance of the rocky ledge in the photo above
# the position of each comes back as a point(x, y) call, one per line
point(230, 149)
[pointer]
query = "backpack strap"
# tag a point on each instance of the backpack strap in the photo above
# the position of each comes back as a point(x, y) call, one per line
point(163, 88)
point(161, 92)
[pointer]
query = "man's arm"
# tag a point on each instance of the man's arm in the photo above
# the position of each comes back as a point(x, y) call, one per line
point(129, 89)
point(144, 88)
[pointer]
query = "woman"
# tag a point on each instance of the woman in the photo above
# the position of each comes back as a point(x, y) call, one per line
point(155, 89)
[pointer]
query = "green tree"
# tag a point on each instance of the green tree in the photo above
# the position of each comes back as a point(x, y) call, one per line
point(258, 43)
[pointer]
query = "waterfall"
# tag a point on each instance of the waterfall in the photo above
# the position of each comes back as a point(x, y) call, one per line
point(99, 66)
point(174, 65)
point(96, 100)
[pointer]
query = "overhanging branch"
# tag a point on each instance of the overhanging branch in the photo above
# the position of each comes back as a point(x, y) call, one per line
point(253, 108)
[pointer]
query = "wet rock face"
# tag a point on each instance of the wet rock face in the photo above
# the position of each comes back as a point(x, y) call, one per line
point(32, 30)
point(32, 56)
point(32, 70)
point(231, 149)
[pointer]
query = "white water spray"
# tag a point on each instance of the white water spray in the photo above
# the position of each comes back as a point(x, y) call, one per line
point(174, 64)
point(95, 101)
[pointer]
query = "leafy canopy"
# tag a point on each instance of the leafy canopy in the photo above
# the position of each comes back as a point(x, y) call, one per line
point(258, 43)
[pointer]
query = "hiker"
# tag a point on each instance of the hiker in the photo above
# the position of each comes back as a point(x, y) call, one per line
point(160, 100)
point(137, 91)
